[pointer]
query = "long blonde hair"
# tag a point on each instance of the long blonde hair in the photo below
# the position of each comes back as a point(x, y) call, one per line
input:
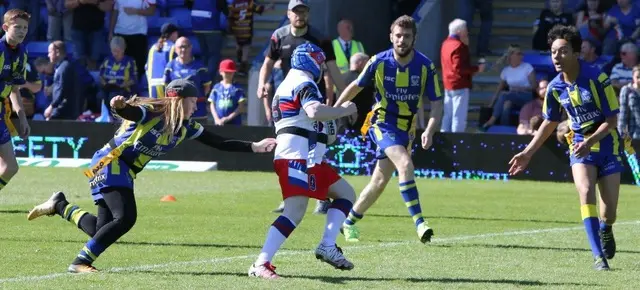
point(171, 109)
point(504, 60)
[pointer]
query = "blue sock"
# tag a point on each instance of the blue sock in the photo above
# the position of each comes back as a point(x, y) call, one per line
point(353, 218)
point(409, 193)
point(604, 227)
point(592, 227)
point(89, 253)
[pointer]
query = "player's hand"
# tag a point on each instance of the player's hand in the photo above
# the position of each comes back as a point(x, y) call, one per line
point(350, 108)
point(219, 121)
point(262, 91)
point(118, 102)
point(582, 149)
point(518, 163)
point(47, 112)
point(25, 129)
point(264, 146)
point(426, 140)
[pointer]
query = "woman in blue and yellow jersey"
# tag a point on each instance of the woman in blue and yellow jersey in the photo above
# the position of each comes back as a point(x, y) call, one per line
point(185, 66)
point(161, 53)
point(595, 145)
point(118, 72)
point(151, 128)
point(13, 62)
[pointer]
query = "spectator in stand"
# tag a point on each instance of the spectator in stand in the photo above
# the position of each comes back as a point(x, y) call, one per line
point(590, 21)
point(622, 74)
point(28, 91)
point(208, 27)
point(622, 22)
point(629, 118)
point(60, 21)
point(185, 66)
point(520, 78)
point(67, 90)
point(365, 98)
point(485, 7)
point(241, 23)
point(129, 20)
point(589, 54)
point(42, 98)
point(117, 73)
point(227, 99)
point(345, 46)
point(548, 19)
point(532, 109)
point(285, 39)
point(161, 53)
point(457, 73)
point(87, 29)
point(33, 8)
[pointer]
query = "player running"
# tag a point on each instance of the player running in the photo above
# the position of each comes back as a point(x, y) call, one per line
point(596, 148)
point(152, 127)
point(13, 64)
point(402, 77)
point(303, 126)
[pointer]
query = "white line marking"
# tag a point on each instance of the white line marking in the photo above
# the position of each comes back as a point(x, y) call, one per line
point(292, 252)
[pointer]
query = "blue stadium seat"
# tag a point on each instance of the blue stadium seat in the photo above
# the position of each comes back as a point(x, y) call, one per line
point(155, 23)
point(183, 15)
point(37, 48)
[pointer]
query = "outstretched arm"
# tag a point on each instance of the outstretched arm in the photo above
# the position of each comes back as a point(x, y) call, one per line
point(224, 144)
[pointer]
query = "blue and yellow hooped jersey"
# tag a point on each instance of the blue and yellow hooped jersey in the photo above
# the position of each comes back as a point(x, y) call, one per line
point(119, 72)
point(157, 61)
point(400, 89)
point(589, 101)
point(137, 143)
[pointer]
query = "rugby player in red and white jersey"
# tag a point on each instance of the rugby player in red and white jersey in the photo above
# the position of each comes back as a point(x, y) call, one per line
point(303, 126)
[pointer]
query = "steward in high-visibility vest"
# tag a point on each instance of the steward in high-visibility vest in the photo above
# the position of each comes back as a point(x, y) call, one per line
point(342, 59)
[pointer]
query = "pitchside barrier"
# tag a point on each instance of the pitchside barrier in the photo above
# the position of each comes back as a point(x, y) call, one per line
point(453, 156)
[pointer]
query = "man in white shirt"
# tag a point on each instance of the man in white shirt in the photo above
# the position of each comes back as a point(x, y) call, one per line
point(129, 20)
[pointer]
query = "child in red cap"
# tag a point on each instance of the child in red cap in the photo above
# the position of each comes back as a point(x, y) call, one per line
point(227, 100)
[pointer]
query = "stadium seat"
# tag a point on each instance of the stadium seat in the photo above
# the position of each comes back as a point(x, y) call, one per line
point(156, 22)
point(96, 76)
point(37, 49)
point(183, 15)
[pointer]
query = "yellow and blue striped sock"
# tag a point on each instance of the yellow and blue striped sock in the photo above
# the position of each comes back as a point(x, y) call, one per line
point(3, 183)
point(592, 227)
point(89, 253)
point(353, 218)
point(73, 213)
point(409, 193)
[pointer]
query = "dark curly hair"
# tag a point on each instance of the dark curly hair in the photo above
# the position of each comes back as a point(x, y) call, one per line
point(568, 33)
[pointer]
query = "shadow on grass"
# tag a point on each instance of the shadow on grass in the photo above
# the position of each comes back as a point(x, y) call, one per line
point(523, 247)
point(477, 219)
point(158, 243)
point(342, 280)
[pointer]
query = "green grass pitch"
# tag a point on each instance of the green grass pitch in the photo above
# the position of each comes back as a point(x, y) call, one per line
point(489, 235)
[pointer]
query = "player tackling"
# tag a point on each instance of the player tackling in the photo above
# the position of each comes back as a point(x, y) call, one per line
point(402, 77)
point(304, 126)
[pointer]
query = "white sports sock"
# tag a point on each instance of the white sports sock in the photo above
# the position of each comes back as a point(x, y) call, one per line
point(335, 218)
point(272, 244)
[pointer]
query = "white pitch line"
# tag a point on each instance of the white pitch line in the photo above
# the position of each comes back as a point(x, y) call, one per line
point(292, 252)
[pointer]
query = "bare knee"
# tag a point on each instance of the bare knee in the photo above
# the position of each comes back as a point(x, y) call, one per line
point(295, 208)
point(404, 166)
point(9, 169)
